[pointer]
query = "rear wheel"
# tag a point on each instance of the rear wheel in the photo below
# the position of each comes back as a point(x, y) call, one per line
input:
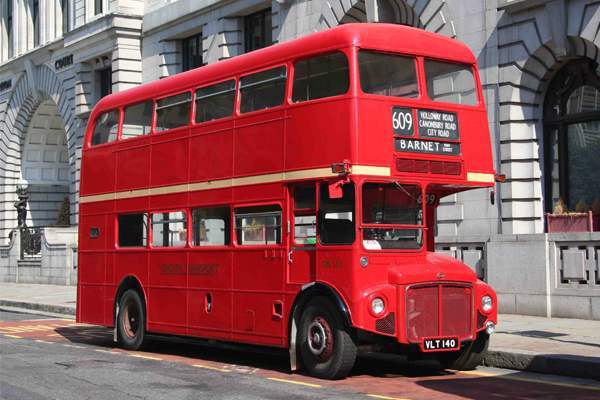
point(327, 349)
point(469, 356)
point(131, 322)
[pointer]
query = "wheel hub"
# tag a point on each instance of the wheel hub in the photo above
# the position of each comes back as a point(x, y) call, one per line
point(131, 320)
point(320, 339)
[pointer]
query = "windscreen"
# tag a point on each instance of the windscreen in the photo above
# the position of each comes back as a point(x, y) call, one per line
point(450, 83)
point(389, 204)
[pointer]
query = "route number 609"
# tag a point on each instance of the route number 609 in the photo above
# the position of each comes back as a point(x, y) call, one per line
point(402, 120)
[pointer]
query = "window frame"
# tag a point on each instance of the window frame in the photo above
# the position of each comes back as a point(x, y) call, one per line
point(319, 222)
point(362, 226)
point(118, 225)
point(476, 79)
point(228, 226)
point(119, 125)
point(238, 98)
point(303, 212)
point(236, 79)
point(185, 52)
point(155, 117)
point(122, 121)
point(234, 240)
point(292, 73)
point(419, 74)
point(247, 25)
point(151, 229)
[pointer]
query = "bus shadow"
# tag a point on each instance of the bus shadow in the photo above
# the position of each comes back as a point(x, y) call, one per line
point(248, 358)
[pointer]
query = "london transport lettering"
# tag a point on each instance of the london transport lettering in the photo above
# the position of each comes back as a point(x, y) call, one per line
point(189, 269)
point(438, 124)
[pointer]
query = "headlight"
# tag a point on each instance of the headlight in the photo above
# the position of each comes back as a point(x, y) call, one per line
point(486, 303)
point(490, 327)
point(364, 261)
point(378, 305)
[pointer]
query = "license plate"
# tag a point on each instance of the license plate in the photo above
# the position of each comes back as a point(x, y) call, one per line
point(440, 344)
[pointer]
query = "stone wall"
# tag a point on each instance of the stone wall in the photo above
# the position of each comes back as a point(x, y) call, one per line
point(57, 263)
point(548, 275)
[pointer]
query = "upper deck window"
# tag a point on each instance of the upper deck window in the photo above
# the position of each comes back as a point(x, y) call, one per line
point(137, 120)
point(387, 74)
point(105, 130)
point(215, 101)
point(450, 83)
point(321, 77)
point(262, 90)
point(173, 112)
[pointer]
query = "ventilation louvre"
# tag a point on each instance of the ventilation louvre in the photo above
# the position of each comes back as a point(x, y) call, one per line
point(427, 167)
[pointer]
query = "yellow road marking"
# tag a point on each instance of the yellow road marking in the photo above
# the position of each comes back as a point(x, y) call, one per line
point(13, 336)
point(43, 341)
point(148, 357)
point(297, 383)
point(384, 397)
point(216, 369)
point(515, 378)
point(70, 345)
point(104, 351)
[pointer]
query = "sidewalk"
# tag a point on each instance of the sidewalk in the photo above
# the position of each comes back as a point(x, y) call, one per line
point(558, 346)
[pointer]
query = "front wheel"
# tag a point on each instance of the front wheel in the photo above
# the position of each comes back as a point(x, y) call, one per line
point(467, 357)
point(327, 349)
point(131, 322)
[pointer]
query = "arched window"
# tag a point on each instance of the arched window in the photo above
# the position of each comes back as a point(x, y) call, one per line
point(572, 136)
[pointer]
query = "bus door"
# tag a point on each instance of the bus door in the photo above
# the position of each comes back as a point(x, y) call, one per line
point(302, 256)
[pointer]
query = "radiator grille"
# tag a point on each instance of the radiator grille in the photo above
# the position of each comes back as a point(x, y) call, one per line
point(481, 319)
point(386, 325)
point(427, 167)
point(439, 310)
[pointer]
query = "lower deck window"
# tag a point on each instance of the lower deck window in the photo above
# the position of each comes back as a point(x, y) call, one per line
point(169, 229)
point(210, 226)
point(258, 225)
point(133, 230)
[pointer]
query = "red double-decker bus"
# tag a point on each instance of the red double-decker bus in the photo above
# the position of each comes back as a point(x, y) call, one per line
point(287, 197)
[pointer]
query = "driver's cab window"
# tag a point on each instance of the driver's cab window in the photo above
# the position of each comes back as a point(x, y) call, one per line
point(337, 215)
point(392, 216)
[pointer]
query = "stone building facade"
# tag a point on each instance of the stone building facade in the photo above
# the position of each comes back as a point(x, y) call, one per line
point(530, 53)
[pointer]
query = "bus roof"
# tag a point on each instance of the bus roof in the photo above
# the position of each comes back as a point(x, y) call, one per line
point(385, 37)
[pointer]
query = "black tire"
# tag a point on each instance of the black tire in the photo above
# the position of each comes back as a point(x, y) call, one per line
point(131, 322)
point(468, 357)
point(333, 357)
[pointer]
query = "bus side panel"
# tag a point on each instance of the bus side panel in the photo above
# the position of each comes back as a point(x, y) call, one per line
point(210, 274)
point(210, 197)
point(211, 154)
point(99, 165)
point(167, 284)
point(253, 319)
point(475, 140)
point(253, 313)
point(262, 193)
point(312, 144)
point(91, 304)
point(133, 166)
point(131, 263)
point(252, 155)
point(376, 141)
point(169, 165)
